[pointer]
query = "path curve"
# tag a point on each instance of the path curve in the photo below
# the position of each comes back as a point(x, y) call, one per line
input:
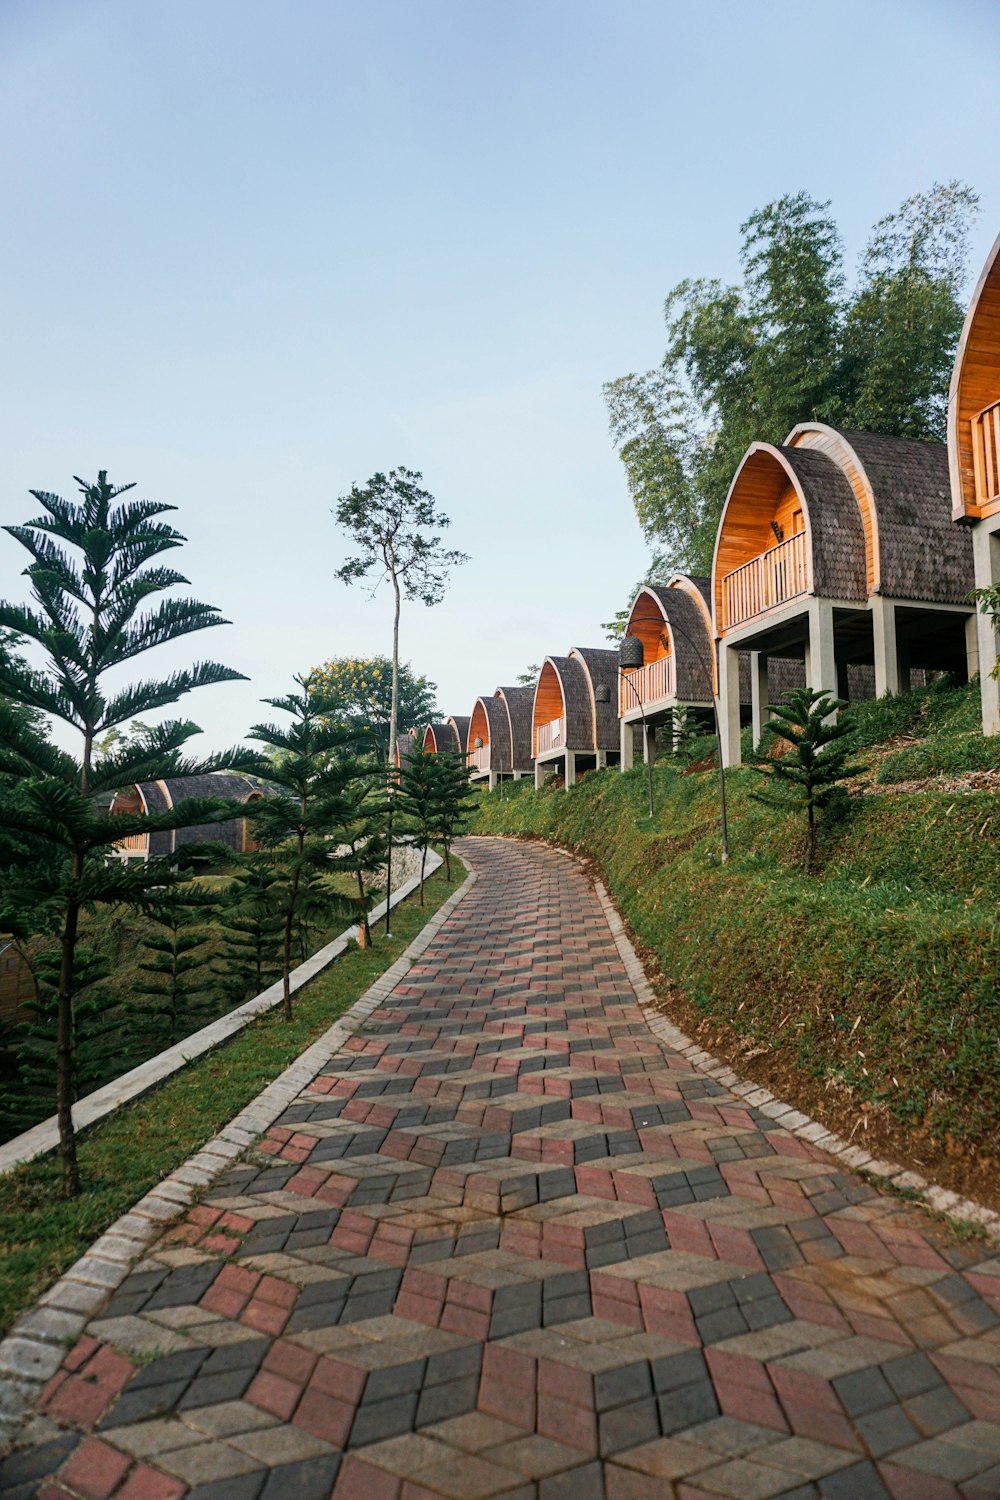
point(509, 1244)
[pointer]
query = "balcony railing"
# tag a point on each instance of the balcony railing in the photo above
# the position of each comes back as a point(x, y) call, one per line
point(642, 686)
point(479, 758)
point(133, 843)
point(774, 577)
point(551, 736)
point(986, 454)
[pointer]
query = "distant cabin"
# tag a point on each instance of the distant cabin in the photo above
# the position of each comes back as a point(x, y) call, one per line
point(444, 737)
point(16, 984)
point(575, 714)
point(974, 459)
point(499, 736)
point(406, 745)
point(161, 796)
point(837, 549)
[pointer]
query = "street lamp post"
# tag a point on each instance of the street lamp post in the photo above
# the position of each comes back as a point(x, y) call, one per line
point(631, 654)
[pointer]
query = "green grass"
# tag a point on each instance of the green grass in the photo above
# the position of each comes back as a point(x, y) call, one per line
point(876, 982)
point(42, 1233)
point(944, 755)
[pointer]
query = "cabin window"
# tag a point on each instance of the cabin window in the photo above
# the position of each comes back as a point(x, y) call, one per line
point(797, 522)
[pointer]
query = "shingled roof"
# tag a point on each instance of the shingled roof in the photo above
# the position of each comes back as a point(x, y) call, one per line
point(902, 489)
point(519, 702)
point(838, 564)
point(494, 711)
point(460, 726)
point(691, 640)
point(600, 667)
point(161, 796)
point(922, 554)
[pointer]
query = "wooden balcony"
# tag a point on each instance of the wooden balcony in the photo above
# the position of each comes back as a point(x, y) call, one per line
point(133, 844)
point(551, 736)
point(479, 759)
point(776, 576)
point(643, 686)
point(986, 454)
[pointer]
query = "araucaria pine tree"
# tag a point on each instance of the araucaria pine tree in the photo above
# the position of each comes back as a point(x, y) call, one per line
point(417, 802)
point(251, 926)
point(810, 776)
point(311, 764)
point(92, 571)
point(174, 977)
point(359, 834)
point(449, 808)
point(27, 1093)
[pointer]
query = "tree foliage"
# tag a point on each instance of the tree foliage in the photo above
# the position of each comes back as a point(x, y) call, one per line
point(810, 776)
point(361, 690)
point(93, 576)
point(794, 341)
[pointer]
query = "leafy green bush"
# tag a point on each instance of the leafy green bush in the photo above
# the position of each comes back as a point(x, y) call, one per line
point(944, 755)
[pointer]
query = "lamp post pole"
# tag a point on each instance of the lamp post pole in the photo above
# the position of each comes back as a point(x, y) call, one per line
point(645, 737)
point(723, 817)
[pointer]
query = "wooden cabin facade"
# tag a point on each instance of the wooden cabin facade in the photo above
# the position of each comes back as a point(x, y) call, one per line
point(674, 625)
point(575, 713)
point(160, 796)
point(17, 986)
point(443, 736)
point(499, 736)
point(974, 459)
point(836, 549)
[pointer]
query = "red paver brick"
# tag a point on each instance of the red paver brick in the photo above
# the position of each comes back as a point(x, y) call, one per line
point(145, 1483)
point(95, 1469)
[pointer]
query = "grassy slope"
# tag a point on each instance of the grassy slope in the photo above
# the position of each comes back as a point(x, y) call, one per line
point(41, 1234)
point(871, 993)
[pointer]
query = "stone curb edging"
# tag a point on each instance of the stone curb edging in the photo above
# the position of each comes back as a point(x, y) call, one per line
point(110, 1097)
point(941, 1200)
point(33, 1350)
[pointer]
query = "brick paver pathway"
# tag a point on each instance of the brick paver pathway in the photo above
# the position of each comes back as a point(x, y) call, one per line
point(511, 1246)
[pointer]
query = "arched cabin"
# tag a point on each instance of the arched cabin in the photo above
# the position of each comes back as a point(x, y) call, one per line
point(405, 745)
point(441, 737)
point(680, 670)
point(575, 713)
point(499, 737)
point(974, 458)
point(160, 796)
point(459, 724)
point(674, 625)
point(837, 549)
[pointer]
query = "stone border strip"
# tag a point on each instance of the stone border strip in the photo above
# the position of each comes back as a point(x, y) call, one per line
point(34, 1349)
point(942, 1200)
point(44, 1136)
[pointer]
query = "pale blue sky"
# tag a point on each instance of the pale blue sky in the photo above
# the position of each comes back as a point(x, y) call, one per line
point(254, 251)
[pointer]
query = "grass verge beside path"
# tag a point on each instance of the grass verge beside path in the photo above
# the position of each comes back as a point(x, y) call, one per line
point(42, 1234)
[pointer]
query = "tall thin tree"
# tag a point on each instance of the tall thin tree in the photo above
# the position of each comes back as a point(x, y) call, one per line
point(396, 528)
point(90, 577)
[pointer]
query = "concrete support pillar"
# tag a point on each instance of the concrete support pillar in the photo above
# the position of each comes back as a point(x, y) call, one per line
point(602, 760)
point(539, 775)
point(494, 778)
point(821, 661)
point(518, 775)
point(729, 704)
point(758, 694)
point(887, 679)
point(648, 743)
point(986, 551)
point(570, 769)
point(627, 748)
